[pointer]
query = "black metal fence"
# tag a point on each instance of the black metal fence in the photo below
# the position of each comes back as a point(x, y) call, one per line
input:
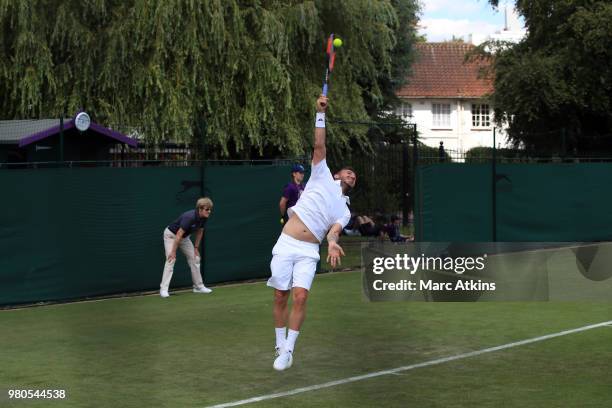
point(509, 155)
point(385, 170)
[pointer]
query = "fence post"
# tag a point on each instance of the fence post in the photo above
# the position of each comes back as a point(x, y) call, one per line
point(415, 204)
point(441, 152)
point(201, 130)
point(405, 191)
point(494, 190)
point(61, 139)
point(563, 143)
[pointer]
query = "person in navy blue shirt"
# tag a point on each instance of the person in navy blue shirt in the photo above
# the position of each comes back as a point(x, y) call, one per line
point(393, 230)
point(291, 191)
point(176, 235)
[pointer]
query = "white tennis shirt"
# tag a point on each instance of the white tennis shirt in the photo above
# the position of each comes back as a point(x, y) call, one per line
point(322, 203)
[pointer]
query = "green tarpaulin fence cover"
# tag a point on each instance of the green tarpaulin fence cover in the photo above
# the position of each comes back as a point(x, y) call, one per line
point(70, 233)
point(533, 202)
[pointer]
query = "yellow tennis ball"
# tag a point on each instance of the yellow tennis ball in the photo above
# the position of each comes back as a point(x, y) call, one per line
point(337, 43)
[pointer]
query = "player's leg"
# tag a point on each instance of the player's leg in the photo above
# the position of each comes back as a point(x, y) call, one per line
point(280, 313)
point(303, 273)
point(298, 309)
point(169, 265)
point(188, 250)
point(281, 267)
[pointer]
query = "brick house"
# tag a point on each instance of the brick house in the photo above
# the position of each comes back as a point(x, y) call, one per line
point(447, 98)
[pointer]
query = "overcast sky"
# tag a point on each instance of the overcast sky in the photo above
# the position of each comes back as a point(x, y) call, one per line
point(441, 19)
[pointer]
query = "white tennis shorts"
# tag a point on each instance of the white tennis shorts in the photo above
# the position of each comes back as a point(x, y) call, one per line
point(294, 263)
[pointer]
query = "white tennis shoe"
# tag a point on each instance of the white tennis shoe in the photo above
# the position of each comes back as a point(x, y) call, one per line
point(164, 293)
point(284, 361)
point(203, 289)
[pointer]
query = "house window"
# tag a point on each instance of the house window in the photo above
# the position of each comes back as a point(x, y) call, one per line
point(481, 116)
point(404, 110)
point(441, 114)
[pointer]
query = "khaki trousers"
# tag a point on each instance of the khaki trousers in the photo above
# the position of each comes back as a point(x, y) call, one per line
point(186, 246)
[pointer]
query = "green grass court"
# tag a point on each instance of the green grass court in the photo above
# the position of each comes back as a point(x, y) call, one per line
point(201, 350)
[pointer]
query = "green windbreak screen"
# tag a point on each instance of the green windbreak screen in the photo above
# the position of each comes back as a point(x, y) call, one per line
point(73, 233)
point(534, 202)
point(245, 221)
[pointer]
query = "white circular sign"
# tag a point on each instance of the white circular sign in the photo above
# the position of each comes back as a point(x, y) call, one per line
point(82, 121)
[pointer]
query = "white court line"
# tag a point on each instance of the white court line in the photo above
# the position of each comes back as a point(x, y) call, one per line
point(409, 367)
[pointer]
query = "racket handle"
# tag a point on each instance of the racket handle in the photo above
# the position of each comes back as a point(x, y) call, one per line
point(324, 89)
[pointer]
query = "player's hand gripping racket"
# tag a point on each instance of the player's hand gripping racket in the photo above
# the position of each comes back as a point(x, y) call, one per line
point(331, 58)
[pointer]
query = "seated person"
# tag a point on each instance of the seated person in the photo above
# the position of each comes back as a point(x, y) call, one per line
point(351, 228)
point(366, 226)
point(392, 230)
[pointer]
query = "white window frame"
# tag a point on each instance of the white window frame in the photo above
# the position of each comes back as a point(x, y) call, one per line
point(441, 115)
point(404, 110)
point(481, 116)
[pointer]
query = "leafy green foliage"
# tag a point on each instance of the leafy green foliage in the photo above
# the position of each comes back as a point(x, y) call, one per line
point(484, 154)
point(250, 70)
point(558, 77)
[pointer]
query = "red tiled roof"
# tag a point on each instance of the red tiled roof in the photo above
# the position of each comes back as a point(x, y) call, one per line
point(440, 71)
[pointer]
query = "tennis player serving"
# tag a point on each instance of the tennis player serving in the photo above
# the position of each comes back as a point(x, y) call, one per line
point(322, 209)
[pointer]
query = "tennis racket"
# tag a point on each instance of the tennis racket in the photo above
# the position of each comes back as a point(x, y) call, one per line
point(330, 58)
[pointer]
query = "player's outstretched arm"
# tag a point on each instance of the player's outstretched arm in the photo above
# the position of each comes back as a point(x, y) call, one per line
point(319, 134)
point(334, 251)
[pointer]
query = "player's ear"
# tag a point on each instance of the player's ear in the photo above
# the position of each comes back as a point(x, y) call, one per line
point(337, 176)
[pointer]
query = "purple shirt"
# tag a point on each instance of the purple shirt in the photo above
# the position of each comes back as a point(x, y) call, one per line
point(188, 221)
point(292, 193)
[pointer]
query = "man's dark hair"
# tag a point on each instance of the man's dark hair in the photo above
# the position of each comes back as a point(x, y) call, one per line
point(347, 168)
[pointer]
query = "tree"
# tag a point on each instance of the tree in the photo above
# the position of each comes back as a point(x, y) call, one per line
point(558, 79)
point(249, 69)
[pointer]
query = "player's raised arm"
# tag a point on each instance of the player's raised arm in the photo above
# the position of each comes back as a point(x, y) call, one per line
point(319, 134)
